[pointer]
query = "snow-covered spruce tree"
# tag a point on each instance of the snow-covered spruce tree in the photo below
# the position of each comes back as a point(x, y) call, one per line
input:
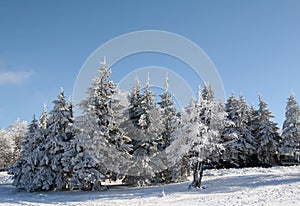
point(119, 106)
point(144, 126)
point(169, 116)
point(291, 128)
point(33, 171)
point(230, 155)
point(131, 126)
point(213, 113)
point(253, 123)
point(135, 99)
point(44, 176)
point(23, 170)
point(60, 134)
point(266, 134)
point(247, 140)
point(200, 134)
point(170, 121)
point(133, 113)
point(242, 147)
point(100, 142)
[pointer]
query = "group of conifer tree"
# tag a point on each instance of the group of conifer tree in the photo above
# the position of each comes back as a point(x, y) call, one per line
point(133, 138)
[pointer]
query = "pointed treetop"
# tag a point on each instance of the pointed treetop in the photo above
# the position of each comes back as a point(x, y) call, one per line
point(241, 93)
point(232, 93)
point(137, 82)
point(45, 108)
point(199, 92)
point(167, 82)
point(103, 70)
point(103, 63)
point(43, 118)
point(148, 80)
point(259, 96)
point(207, 92)
point(34, 121)
point(261, 101)
point(242, 99)
point(192, 102)
point(292, 96)
point(62, 93)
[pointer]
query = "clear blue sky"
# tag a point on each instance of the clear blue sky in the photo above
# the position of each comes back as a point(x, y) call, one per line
point(255, 45)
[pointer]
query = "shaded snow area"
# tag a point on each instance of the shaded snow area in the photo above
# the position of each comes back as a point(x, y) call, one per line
point(250, 186)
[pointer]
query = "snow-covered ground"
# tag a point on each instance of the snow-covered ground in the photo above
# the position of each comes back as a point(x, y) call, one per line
point(250, 186)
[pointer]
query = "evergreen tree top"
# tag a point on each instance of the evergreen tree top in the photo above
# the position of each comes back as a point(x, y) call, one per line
point(104, 71)
point(148, 101)
point(207, 92)
point(292, 106)
point(292, 113)
point(135, 94)
point(33, 125)
point(263, 110)
point(167, 82)
point(43, 118)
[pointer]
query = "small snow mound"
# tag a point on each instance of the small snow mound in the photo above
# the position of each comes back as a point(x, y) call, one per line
point(5, 178)
point(42, 195)
point(163, 194)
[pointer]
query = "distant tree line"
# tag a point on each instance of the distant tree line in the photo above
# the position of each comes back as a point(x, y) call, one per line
point(10, 143)
point(134, 138)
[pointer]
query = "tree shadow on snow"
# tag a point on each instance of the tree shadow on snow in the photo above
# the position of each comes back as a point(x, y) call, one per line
point(236, 183)
point(10, 195)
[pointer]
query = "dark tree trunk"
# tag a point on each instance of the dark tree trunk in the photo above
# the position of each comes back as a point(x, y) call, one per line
point(197, 175)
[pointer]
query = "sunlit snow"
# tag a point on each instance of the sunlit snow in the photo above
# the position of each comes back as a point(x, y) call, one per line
point(249, 186)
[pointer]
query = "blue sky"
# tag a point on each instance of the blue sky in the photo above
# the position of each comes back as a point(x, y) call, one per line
point(254, 45)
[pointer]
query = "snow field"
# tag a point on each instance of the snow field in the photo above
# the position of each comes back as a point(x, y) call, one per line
point(249, 186)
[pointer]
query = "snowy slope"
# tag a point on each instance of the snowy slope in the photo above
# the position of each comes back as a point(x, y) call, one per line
point(250, 186)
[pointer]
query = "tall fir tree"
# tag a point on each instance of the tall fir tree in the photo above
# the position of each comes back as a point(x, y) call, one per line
point(133, 114)
point(99, 140)
point(247, 143)
point(266, 134)
point(241, 148)
point(291, 129)
point(143, 125)
point(60, 134)
point(41, 166)
point(43, 178)
point(33, 171)
point(170, 121)
point(23, 170)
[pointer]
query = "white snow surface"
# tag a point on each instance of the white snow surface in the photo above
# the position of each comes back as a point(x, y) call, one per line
point(249, 186)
